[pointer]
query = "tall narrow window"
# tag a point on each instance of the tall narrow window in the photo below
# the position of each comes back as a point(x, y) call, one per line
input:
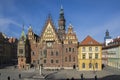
point(90, 55)
point(83, 56)
point(96, 65)
point(83, 65)
point(73, 50)
point(90, 65)
point(69, 49)
point(96, 55)
point(56, 53)
point(45, 53)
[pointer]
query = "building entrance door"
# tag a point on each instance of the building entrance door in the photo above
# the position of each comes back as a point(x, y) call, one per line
point(74, 66)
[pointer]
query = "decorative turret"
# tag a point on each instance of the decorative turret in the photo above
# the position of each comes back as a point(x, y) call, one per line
point(70, 37)
point(23, 51)
point(30, 33)
point(23, 36)
point(70, 29)
point(107, 33)
point(61, 24)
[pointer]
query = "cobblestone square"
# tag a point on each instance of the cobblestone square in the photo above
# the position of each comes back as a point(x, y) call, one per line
point(108, 73)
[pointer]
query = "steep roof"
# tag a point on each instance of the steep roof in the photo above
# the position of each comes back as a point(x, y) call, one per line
point(89, 41)
point(49, 24)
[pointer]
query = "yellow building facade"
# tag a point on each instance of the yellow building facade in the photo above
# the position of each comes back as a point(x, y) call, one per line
point(89, 55)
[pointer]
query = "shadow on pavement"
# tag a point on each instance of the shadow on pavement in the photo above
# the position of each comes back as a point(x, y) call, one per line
point(110, 77)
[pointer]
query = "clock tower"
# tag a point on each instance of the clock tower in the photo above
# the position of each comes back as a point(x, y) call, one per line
point(61, 25)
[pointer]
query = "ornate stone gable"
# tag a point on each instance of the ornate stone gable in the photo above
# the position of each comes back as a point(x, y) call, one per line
point(49, 32)
point(70, 37)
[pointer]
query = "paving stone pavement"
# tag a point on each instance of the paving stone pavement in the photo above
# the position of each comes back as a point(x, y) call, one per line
point(107, 73)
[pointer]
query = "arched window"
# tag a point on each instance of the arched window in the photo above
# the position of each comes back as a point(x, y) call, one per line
point(96, 65)
point(90, 65)
point(83, 65)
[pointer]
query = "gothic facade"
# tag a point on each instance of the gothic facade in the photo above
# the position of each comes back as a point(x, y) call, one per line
point(54, 48)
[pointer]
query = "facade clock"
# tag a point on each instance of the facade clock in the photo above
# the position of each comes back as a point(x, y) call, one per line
point(49, 44)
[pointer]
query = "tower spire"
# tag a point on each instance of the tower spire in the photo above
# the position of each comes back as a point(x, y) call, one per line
point(61, 13)
point(107, 37)
point(107, 33)
point(61, 7)
point(23, 36)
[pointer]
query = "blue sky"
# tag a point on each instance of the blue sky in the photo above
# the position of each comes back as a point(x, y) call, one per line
point(88, 17)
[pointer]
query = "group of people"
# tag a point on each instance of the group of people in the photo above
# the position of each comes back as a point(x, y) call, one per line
point(14, 79)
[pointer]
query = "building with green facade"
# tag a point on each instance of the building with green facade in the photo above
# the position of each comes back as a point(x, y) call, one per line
point(112, 53)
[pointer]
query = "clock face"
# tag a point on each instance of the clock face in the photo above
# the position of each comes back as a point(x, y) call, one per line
point(49, 44)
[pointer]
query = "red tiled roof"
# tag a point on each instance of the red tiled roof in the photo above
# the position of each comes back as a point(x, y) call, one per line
point(89, 41)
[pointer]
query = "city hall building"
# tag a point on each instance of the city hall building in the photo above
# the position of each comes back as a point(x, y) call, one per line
point(54, 48)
